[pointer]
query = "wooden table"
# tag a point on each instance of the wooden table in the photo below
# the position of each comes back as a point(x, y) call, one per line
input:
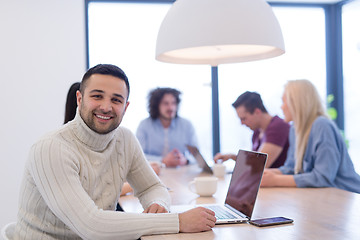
point(321, 213)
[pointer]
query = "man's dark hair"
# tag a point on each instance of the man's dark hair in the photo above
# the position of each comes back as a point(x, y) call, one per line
point(251, 101)
point(105, 69)
point(155, 97)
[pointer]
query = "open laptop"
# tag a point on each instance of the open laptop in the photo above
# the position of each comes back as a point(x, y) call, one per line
point(199, 158)
point(243, 189)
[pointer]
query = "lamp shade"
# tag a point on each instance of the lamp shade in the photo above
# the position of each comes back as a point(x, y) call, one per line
point(219, 31)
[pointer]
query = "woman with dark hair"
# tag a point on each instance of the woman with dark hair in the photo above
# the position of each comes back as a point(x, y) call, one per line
point(71, 104)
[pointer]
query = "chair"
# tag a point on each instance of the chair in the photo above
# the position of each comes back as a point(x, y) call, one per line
point(7, 232)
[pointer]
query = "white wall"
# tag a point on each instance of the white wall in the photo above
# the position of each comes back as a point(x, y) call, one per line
point(42, 52)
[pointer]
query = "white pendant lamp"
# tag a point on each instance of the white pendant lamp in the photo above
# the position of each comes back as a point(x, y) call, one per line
point(219, 31)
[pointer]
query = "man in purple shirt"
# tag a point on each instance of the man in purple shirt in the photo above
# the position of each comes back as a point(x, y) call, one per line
point(270, 132)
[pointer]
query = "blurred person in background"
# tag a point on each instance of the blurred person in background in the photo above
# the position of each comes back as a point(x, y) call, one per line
point(164, 135)
point(270, 133)
point(317, 156)
point(71, 102)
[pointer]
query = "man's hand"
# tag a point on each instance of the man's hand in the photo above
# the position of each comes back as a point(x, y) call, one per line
point(155, 208)
point(199, 219)
point(174, 158)
point(224, 157)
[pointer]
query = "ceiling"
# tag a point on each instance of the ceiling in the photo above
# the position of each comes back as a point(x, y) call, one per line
point(306, 1)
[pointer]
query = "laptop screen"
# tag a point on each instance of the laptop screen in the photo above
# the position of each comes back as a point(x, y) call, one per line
point(199, 158)
point(245, 181)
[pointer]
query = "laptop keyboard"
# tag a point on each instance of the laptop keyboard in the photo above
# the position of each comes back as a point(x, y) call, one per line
point(221, 213)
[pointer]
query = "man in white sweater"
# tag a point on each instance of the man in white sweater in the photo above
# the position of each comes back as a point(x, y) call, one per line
point(73, 177)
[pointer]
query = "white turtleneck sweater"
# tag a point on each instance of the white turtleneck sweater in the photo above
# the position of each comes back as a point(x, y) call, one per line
point(73, 179)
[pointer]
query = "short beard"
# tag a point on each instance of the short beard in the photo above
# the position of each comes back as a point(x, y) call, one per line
point(91, 124)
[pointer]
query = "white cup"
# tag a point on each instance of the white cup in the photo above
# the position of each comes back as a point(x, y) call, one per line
point(219, 170)
point(204, 186)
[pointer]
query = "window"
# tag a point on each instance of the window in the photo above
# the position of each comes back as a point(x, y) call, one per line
point(351, 59)
point(125, 34)
point(304, 59)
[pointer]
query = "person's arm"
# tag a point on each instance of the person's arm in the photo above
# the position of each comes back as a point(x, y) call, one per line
point(146, 184)
point(55, 172)
point(275, 140)
point(273, 152)
point(196, 220)
point(322, 158)
point(127, 188)
point(274, 178)
point(283, 176)
point(155, 208)
point(224, 157)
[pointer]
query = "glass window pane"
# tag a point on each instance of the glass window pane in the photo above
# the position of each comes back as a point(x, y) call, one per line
point(351, 59)
point(125, 34)
point(304, 35)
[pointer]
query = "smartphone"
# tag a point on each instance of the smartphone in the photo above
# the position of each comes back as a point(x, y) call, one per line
point(270, 221)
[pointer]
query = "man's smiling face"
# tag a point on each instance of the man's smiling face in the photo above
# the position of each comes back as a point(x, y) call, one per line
point(103, 102)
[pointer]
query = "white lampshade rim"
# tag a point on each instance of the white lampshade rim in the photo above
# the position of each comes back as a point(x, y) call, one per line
point(243, 30)
point(220, 54)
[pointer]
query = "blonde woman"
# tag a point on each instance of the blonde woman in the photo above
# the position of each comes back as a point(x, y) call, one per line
point(317, 155)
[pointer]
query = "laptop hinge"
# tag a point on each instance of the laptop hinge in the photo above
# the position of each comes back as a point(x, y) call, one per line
point(236, 211)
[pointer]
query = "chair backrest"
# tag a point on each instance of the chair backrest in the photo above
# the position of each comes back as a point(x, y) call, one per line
point(7, 232)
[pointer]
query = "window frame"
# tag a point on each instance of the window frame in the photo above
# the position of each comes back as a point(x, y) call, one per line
point(334, 60)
